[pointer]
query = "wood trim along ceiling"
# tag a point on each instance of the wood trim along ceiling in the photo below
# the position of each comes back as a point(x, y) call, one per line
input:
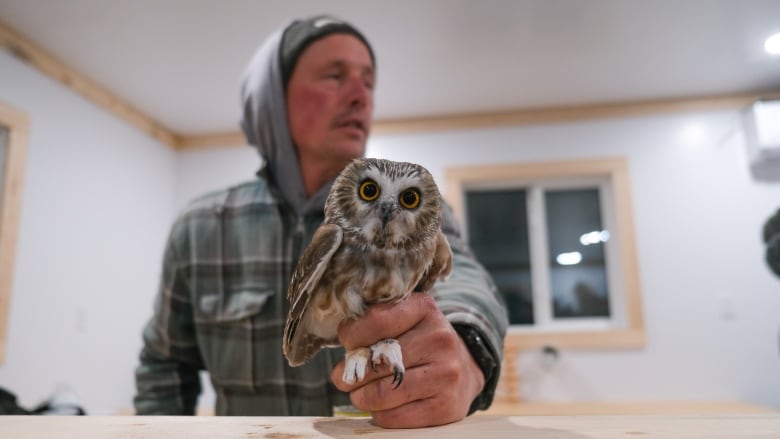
point(48, 64)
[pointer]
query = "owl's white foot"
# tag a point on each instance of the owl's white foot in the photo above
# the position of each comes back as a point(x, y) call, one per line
point(385, 351)
point(355, 362)
point(389, 352)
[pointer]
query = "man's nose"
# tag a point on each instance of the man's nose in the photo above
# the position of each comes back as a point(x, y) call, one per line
point(360, 95)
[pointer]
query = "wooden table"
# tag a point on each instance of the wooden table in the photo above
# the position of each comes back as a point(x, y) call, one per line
point(742, 426)
point(626, 408)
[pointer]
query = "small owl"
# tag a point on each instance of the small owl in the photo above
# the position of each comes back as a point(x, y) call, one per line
point(380, 241)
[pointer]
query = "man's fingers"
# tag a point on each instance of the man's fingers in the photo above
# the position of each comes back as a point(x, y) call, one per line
point(384, 321)
point(441, 378)
point(419, 346)
point(417, 414)
point(382, 394)
point(372, 373)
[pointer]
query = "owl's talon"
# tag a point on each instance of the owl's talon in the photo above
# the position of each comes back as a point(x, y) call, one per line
point(398, 377)
point(389, 351)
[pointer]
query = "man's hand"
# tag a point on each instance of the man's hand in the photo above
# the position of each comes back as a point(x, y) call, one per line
point(441, 379)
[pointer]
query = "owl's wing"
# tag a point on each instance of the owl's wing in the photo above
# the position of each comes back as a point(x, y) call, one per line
point(441, 267)
point(298, 347)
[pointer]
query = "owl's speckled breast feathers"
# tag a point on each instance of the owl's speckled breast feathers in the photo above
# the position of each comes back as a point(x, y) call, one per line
point(380, 241)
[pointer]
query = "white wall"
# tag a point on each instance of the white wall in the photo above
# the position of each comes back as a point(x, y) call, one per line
point(98, 199)
point(200, 171)
point(711, 306)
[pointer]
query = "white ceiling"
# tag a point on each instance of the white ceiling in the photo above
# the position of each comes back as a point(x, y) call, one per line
point(180, 61)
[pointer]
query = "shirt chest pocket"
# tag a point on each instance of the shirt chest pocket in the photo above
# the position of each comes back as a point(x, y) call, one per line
point(232, 326)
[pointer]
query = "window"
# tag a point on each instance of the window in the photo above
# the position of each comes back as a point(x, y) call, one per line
point(13, 140)
point(558, 240)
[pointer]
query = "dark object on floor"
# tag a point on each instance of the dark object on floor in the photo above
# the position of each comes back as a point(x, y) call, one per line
point(8, 404)
point(61, 404)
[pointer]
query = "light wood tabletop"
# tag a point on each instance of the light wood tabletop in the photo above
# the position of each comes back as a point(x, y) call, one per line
point(625, 408)
point(743, 426)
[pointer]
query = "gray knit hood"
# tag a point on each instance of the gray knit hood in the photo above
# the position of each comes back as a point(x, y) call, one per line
point(264, 118)
point(264, 123)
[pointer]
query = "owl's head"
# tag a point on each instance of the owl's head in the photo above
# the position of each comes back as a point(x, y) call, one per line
point(385, 203)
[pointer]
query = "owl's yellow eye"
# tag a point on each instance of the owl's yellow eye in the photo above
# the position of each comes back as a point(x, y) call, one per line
point(410, 198)
point(368, 191)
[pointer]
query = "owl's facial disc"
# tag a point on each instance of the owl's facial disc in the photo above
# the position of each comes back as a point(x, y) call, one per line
point(384, 222)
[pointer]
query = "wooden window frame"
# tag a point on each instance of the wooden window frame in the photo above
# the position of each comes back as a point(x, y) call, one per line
point(632, 333)
point(17, 124)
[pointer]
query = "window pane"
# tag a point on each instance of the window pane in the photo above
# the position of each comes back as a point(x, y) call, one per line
point(578, 271)
point(498, 234)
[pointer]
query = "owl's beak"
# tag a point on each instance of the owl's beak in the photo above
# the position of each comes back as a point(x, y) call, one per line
point(386, 210)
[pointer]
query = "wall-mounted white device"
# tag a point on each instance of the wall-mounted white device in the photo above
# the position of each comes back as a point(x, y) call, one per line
point(762, 136)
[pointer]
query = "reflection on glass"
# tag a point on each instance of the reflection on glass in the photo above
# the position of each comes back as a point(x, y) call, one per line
point(498, 234)
point(572, 258)
point(578, 289)
point(594, 237)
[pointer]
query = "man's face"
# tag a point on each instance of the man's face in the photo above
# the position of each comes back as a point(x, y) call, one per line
point(330, 101)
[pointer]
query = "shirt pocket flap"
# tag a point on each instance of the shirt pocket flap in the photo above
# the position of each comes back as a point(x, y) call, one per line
point(217, 308)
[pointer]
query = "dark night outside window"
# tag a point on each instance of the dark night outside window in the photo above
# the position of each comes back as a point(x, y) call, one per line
point(576, 271)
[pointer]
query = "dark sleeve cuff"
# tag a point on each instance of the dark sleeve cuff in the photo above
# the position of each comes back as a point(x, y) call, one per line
point(486, 359)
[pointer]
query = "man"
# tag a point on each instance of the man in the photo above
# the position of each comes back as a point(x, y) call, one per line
point(308, 102)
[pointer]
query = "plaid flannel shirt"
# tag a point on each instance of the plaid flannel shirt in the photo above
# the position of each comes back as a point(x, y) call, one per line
point(222, 305)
